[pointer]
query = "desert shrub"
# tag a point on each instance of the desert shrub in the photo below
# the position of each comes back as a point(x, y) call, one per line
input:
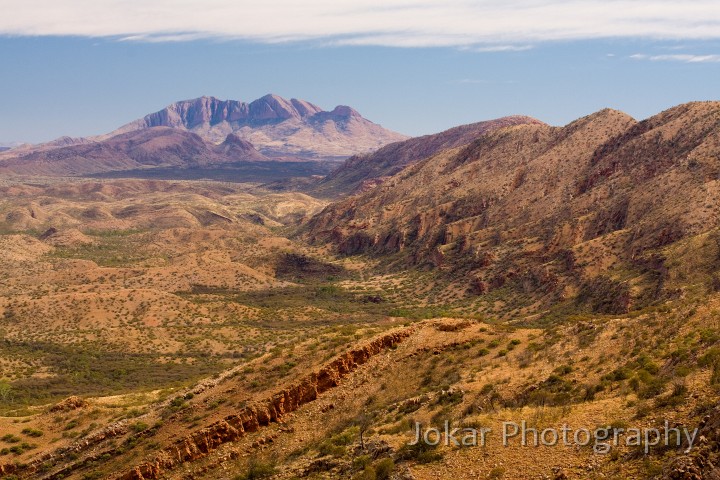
point(487, 389)
point(497, 472)
point(652, 388)
point(367, 474)
point(605, 295)
point(31, 432)
point(336, 445)
point(71, 424)
point(6, 392)
point(675, 398)
point(138, 427)
point(617, 375)
point(420, 452)
point(257, 469)
point(83, 369)
point(359, 463)
point(10, 438)
point(591, 391)
point(450, 397)
point(710, 358)
point(384, 469)
point(709, 336)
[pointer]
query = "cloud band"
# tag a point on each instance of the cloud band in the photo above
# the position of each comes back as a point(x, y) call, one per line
point(399, 23)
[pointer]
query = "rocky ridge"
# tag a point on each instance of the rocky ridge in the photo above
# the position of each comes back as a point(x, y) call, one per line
point(365, 171)
point(545, 209)
point(271, 410)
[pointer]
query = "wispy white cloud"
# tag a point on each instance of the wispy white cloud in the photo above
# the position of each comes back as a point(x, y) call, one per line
point(686, 58)
point(497, 48)
point(489, 24)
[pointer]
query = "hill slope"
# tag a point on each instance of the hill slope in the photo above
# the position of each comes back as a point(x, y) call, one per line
point(545, 210)
point(367, 170)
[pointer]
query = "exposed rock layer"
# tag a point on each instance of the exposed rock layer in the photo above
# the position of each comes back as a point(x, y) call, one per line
point(251, 418)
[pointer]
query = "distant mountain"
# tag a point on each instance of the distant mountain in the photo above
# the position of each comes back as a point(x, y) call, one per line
point(367, 170)
point(155, 147)
point(276, 126)
point(4, 146)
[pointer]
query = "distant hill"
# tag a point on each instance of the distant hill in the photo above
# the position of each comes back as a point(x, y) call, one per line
point(367, 170)
point(149, 148)
point(276, 126)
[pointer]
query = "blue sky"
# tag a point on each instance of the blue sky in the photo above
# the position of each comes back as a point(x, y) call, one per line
point(85, 76)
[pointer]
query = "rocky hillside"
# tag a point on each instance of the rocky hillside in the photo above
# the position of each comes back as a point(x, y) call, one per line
point(368, 170)
point(276, 126)
point(142, 149)
point(607, 211)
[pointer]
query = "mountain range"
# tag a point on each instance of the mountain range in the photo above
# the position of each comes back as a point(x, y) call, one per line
point(542, 210)
point(277, 127)
point(207, 131)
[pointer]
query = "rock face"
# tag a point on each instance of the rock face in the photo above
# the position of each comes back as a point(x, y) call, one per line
point(544, 210)
point(252, 418)
point(140, 149)
point(703, 461)
point(366, 171)
point(276, 126)
point(69, 404)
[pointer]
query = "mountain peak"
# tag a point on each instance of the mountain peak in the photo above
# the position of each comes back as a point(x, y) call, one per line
point(345, 111)
point(272, 107)
point(610, 113)
point(275, 125)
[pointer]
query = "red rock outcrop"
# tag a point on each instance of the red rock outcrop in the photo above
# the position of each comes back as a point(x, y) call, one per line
point(272, 409)
point(70, 403)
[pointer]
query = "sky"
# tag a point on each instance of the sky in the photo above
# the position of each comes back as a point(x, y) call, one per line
point(86, 67)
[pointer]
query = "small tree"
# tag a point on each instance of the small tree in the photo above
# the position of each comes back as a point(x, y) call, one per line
point(6, 392)
point(363, 421)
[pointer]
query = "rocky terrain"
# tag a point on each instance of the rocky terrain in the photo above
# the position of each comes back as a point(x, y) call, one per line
point(275, 126)
point(553, 214)
point(504, 271)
